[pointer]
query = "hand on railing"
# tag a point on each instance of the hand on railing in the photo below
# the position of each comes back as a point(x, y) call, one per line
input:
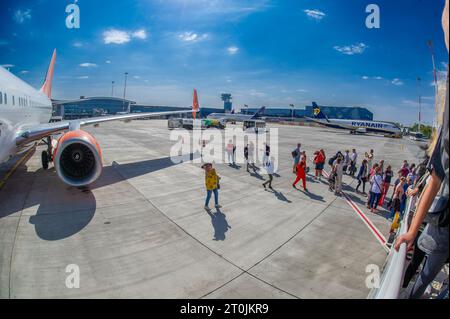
point(406, 238)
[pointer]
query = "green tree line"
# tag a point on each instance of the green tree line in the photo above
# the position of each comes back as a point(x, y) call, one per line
point(426, 130)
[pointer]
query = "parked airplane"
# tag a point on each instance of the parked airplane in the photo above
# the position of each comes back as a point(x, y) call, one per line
point(24, 119)
point(356, 126)
point(232, 117)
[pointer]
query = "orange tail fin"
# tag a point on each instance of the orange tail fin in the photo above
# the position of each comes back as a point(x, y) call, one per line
point(195, 105)
point(47, 86)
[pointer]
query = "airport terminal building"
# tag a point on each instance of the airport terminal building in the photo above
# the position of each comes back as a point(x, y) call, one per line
point(98, 106)
point(89, 107)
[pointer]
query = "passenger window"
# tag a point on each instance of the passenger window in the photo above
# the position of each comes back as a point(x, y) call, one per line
point(1, 98)
point(13, 100)
point(6, 99)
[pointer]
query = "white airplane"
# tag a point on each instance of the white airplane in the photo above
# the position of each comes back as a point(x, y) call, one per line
point(356, 126)
point(233, 117)
point(24, 120)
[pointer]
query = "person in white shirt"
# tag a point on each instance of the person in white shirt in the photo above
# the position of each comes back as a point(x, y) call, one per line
point(270, 169)
point(230, 152)
point(375, 190)
point(353, 159)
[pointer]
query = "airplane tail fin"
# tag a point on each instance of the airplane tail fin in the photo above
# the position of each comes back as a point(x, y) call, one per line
point(47, 86)
point(318, 114)
point(195, 105)
point(260, 112)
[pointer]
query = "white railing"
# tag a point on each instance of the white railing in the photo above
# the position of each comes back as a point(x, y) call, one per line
point(394, 269)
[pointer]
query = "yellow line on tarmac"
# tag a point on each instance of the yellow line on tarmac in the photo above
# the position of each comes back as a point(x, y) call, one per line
point(14, 168)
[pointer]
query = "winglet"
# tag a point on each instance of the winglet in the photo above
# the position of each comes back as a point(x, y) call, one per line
point(47, 86)
point(195, 105)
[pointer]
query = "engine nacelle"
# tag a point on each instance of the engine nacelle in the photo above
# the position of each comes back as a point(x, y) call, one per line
point(78, 158)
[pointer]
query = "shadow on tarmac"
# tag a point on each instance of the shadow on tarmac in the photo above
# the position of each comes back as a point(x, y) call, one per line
point(64, 210)
point(220, 224)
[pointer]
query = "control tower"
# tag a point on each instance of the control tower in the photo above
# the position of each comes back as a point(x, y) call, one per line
point(227, 104)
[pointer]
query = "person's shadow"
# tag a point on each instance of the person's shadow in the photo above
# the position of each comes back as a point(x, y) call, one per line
point(235, 166)
point(220, 224)
point(279, 195)
point(312, 195)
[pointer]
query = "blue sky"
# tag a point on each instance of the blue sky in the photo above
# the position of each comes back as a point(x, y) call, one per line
point(265, 52)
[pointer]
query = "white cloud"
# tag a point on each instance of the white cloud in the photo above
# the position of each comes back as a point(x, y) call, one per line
point(108, 61)
point(136, 77)
point(233, 50)
point(115, 36)
point(7, 66)
point(353, 49)
point(88, 65)
point(140, 34)
point(397, 82)
point(24, 72)
point(192, 37)
point(20, 16)
point(365, 77)
point(315, 14)
point(83, 77)
point(77, 44)
point(302, 90)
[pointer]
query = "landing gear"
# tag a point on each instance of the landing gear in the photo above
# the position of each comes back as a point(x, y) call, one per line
point(46, 156)
point(45, 160)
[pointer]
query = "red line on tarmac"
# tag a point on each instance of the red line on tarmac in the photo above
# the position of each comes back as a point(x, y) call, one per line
point(371, 226)
point(364, 218)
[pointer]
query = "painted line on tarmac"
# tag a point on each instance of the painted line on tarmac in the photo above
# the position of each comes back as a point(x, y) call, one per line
point(14, 168)
point(373, 229)
point(381, 239)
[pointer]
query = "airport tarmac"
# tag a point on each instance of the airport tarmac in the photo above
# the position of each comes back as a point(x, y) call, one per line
point(141, 231)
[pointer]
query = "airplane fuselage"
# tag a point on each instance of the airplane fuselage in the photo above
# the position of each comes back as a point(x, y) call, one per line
point(21, 106)
point(355, 125)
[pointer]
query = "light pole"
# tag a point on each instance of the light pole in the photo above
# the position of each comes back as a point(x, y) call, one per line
point(124, 91)
point(430, 45)
point(420, 101)
point(112, 89)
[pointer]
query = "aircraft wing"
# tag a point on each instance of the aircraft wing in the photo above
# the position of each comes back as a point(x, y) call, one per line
point(38, 132)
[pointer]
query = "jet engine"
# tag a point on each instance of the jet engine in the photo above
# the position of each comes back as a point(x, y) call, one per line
point(78, 158)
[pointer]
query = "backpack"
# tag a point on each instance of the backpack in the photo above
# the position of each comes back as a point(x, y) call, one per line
point(331, 160)
point(294, 153)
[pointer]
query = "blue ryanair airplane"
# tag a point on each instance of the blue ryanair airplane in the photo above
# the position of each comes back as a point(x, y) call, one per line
point(356, 126)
